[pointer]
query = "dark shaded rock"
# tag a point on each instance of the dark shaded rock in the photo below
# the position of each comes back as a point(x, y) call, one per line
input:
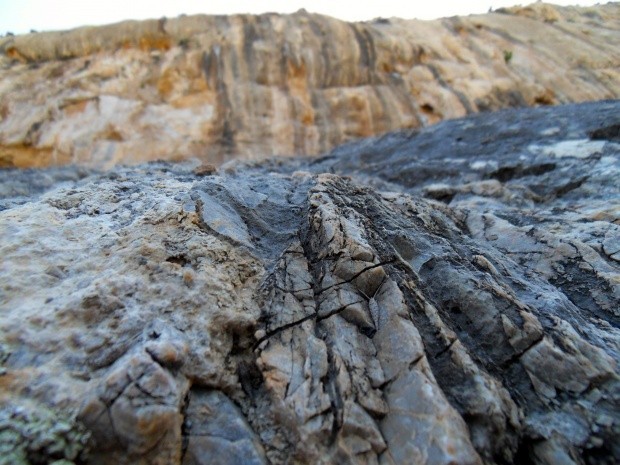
point(447, 296)
point(217, 433)
point(606, 133)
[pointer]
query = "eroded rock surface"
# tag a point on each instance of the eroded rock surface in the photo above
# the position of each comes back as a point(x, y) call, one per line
point(448, 296)
point(217, 87)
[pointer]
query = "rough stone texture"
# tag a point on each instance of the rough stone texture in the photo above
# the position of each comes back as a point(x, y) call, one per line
point(216, 87)
point(448, 296)
point(31, 433)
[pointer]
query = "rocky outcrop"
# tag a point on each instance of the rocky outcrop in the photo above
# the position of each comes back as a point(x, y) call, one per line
point(216, 87)
point(448, 296)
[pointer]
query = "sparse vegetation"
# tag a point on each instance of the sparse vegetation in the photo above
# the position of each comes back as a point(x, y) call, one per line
point(507, 56)
point(32, 435)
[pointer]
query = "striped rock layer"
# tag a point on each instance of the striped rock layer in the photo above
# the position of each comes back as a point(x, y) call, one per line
point(217, 87)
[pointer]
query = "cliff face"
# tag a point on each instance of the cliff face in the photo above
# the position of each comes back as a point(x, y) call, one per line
point(447, 297)
point(216, 87)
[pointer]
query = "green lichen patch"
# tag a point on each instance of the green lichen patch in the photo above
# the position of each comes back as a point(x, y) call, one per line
point(33, 435)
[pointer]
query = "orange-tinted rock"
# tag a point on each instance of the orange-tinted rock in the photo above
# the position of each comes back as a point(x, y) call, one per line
point(217, 87)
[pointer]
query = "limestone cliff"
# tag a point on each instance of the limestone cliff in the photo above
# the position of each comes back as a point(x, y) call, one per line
point(216, 87)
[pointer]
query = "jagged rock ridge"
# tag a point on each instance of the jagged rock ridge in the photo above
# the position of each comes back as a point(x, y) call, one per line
point(443, 297)
point(216, 87)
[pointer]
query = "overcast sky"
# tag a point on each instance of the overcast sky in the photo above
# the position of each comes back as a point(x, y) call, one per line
point(20, 16)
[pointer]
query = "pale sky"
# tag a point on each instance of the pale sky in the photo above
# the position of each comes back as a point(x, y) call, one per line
point(20, 16)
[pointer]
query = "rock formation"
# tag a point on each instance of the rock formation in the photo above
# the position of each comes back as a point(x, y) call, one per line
point(217, 87)
point(435, 297)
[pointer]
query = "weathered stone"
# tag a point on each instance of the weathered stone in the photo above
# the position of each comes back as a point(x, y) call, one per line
point(216, 87)
point(32, 433)
point(217, 432)
point(448, 296)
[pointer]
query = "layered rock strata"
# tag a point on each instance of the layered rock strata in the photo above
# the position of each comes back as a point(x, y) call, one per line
point(449, 296)
point(217, 87)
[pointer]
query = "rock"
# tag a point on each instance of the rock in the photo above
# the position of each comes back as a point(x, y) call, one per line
point(442, 296)
point(218, 433)
point(33, 433)
point(221, 87)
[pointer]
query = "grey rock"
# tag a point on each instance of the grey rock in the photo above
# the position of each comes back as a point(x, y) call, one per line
point(20, 186)
point(218, 433)
point(447, 296)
